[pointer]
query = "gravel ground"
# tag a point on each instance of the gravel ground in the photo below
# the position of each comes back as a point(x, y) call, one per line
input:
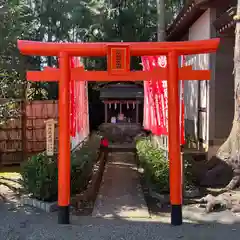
point(23, 223)
point(26, 223)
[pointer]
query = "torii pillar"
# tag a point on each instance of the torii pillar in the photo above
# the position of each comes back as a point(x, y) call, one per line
point(118, 56)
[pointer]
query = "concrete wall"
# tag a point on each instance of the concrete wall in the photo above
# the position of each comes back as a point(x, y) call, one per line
point(222, 96)
point(224, 83)
point(221, 89)
point(195, 121)
point(224, 88)
point(222, 92)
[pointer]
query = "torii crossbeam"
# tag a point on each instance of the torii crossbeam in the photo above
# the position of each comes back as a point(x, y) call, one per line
point(118, 57)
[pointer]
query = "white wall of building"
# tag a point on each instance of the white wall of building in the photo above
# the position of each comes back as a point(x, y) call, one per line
point(200, 30)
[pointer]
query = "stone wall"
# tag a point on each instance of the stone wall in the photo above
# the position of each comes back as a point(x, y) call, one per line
point(120, 132)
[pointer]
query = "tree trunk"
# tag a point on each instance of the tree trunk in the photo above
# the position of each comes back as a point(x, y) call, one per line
point(229, 152)
point(161, 20)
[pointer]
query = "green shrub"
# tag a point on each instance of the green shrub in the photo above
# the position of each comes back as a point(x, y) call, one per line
point(154, 163)
point(40, 175)
point(82, 162)
point(156, 166)
point(189, 178)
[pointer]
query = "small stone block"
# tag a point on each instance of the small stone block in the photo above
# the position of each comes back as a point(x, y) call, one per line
point(42, 206)
point(53, 207)
point(38, 204)
point(45, 206)
point(34, 203)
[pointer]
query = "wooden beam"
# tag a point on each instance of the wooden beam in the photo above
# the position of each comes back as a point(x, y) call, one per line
point(204, 4)
point(101, 49)
point(53, 74)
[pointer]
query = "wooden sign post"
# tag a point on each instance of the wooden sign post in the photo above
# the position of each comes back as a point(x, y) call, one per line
point(50, 137)
point(118, 57)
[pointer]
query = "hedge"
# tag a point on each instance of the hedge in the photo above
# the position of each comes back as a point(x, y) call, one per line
point(154, 163)
point(40, 173)
point(156, 166)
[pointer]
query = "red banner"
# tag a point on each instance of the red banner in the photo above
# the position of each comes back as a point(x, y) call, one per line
point(156, 99)
point(183, 62)
point(79, 119)
point(72, 104)
point(161, 96)
point(153, 91)
point(148, 101)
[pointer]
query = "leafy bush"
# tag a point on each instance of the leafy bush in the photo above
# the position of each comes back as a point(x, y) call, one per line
point(40, 172)
point(39, 175)
point(82, 162)
point(154, 163)
point(156, 166)
point(189, 178)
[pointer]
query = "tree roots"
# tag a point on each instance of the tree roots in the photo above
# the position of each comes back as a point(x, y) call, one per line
point(233, 183)
point(2, 197)
point(223, 201)
point(9, 183)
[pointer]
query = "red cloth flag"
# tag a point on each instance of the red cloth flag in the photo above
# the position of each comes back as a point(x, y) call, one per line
point(183, 62)
point(72, 104)
point(149, 111)
point(79, 123)
point(156, 99)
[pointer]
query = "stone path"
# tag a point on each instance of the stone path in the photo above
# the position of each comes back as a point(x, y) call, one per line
point(120, 194)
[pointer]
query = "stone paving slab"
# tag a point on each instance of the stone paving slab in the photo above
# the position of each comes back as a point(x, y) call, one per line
point(120, 194)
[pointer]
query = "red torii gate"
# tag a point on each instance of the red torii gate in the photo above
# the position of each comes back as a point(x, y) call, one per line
point(118, 57)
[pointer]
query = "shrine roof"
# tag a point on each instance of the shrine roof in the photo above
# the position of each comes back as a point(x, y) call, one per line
point(189, 14)
point(121, 91)
point(225, 21)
